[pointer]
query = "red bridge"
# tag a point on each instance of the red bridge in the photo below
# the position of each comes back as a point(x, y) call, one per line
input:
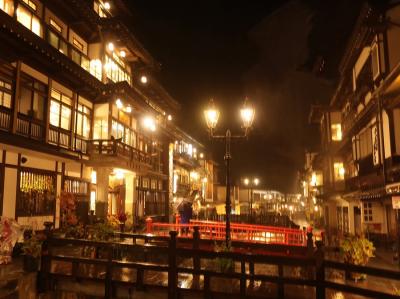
point(239, 232)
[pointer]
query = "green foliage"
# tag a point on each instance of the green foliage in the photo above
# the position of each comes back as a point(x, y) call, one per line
point(33, 246)
point(102, 231)
point(357, 250)
point(224, 264)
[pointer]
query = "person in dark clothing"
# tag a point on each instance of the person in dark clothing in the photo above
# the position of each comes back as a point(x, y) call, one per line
point(186, 214)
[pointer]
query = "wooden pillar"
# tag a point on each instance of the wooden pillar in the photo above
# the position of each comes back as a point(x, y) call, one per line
point(196, 259)
point(16, 95)
point(102, 192)
point(172, 271)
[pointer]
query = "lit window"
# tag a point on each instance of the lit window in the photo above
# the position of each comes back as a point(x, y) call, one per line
point(5, 94)
point(336, 131)
point(77, 44)
point(7, 6)
point(31, 4)
point(60, 110)
point(55, 25)
point(96, 68)
point(338, 171)
point(83, 118)
point(367, 211)
point(29, 20)
point(115, 72)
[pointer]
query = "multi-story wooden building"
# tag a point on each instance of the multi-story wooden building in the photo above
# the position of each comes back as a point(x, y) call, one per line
point(359, 154)
point(80, 111)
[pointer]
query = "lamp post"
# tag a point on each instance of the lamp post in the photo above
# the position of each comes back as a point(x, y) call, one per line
point(250, 184)
point(212, 115)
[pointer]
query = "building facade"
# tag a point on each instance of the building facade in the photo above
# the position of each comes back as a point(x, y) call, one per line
point(80, 111)
point(356, 171)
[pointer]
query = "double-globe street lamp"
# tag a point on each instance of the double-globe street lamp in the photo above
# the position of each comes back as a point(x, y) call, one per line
point(250, 185)
point(212, 115)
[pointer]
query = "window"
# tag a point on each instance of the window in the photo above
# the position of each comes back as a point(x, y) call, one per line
point(32, 97)
point(116, 72)
point(83, 118)
point(60, 110)
point(55, 25)
point(57, 42)
point(336, 132)
point(29, 20)
point(77, 44)
point(31, 4)
point(375, 60)
point(338, 171)
point(101, 9)
point(95, 68)
point(365, 143)
point(367, 211)
point(7, 6)
point(6, 77)
point(36, 193)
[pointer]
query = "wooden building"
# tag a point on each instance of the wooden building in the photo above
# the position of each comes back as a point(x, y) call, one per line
point(80, 111)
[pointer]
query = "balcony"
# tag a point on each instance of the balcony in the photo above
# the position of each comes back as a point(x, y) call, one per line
point(186, 160)
point(57, 56)
point(115, 153)
point(366, 165)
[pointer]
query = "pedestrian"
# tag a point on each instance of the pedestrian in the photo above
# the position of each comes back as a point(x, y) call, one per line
point(186, 214)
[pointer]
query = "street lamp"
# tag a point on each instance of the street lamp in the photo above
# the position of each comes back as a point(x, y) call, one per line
point(211, 115)
point(250, 184)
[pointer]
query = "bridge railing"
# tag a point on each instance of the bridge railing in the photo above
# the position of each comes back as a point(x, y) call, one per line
point(108, 265)
point(239, 231)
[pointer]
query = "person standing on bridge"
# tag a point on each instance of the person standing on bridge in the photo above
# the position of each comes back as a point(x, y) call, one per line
point(186, 214)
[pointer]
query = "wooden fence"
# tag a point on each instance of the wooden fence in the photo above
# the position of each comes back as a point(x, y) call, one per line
point(176, 250)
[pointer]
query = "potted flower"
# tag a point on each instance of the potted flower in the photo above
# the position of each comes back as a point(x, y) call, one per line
point(10, 232)
point(32, 250)
point(122, 217)
point(356, 250)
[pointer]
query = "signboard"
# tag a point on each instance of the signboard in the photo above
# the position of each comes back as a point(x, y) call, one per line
point(396, 202)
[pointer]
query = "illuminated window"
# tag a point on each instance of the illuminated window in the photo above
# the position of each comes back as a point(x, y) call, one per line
point(7, 6)
point(5, 93)
point(116, 72)
point(83, 118)
point(55, 25)
point(102, 8)
point(55, 40)
point(367, 211)
point(96, 68)
point(31, 4)
point(338, 171)
point(336, 131)
point(60, 110)
point(29, 20)
point(77, 44)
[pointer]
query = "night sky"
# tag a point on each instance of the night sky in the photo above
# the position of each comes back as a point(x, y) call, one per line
point(264, 50)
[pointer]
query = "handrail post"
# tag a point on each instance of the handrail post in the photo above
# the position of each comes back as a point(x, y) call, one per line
point(172, 271)
point(196, 260)
point(281, 286)
point(108, 289)
point(149, 225)
point(243, 279)
point(320, 270)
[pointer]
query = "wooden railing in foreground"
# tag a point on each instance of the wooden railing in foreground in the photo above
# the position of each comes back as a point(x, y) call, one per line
point(314, 265)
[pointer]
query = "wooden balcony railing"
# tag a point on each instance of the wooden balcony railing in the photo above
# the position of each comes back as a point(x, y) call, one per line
point(59, 137)
point(30, 127)
point(115, 147)
point(5, 118)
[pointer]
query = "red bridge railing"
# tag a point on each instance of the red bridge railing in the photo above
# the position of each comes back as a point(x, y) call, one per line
point(239, 232)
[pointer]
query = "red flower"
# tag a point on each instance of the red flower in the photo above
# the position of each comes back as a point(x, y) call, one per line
point(122, 217)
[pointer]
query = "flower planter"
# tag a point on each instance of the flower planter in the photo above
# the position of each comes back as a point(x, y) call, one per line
point(31, 264)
